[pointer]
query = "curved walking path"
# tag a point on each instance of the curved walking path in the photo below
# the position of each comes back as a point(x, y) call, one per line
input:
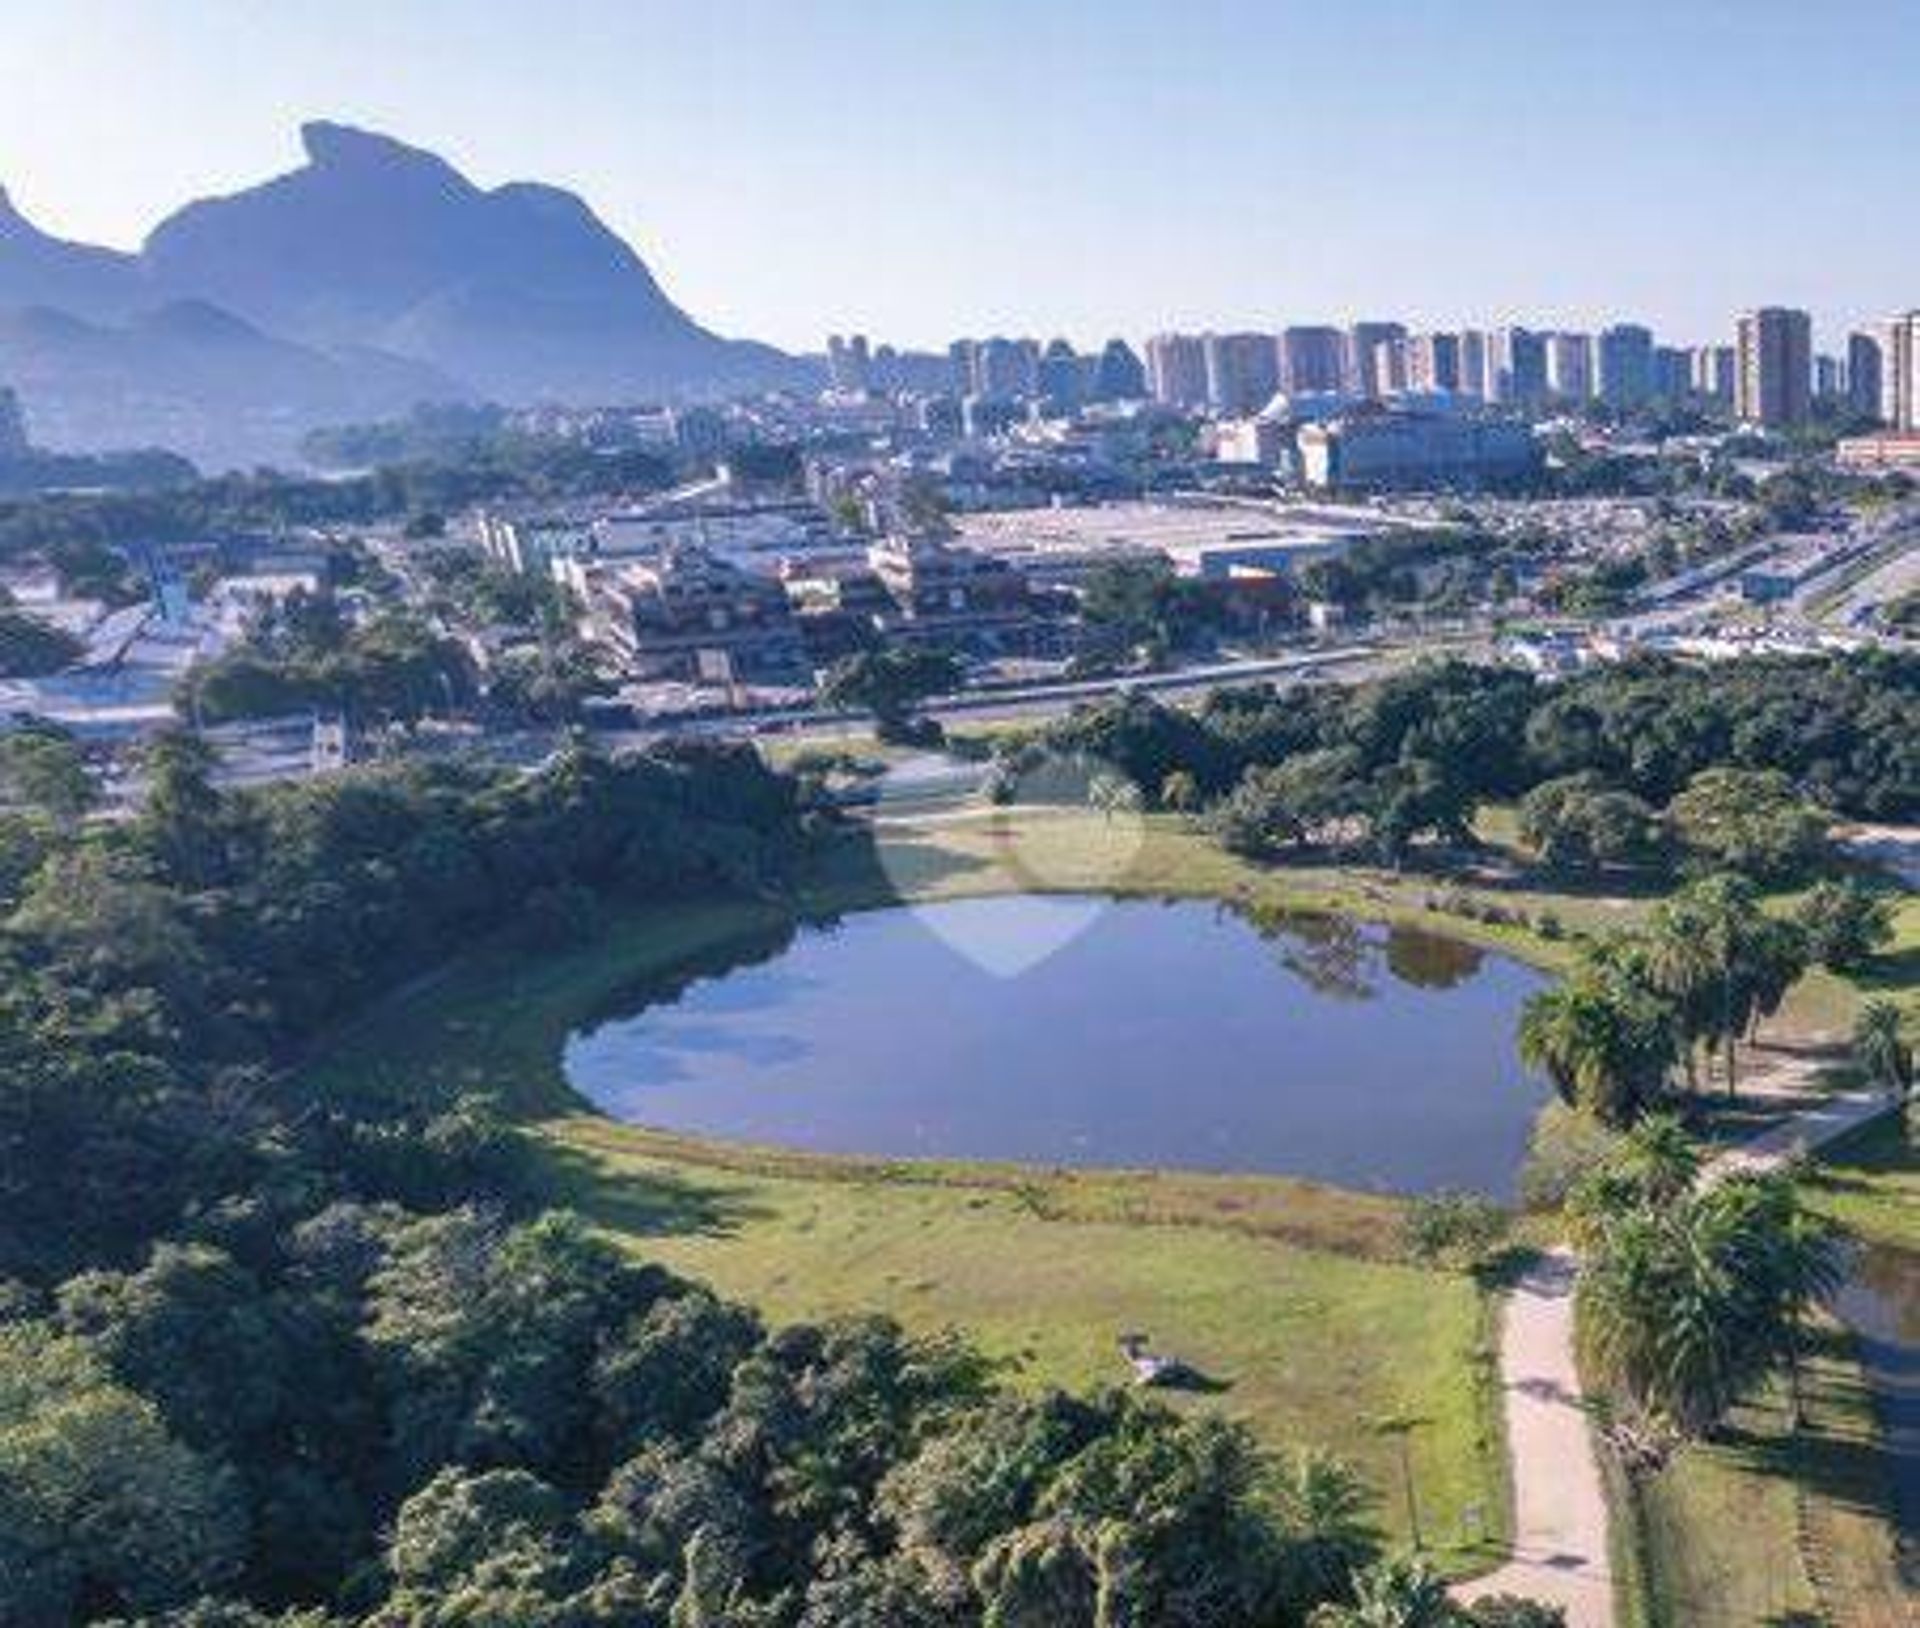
point(1559, 1503)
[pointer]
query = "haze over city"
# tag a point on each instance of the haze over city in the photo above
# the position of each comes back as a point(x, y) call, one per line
point(917, 174)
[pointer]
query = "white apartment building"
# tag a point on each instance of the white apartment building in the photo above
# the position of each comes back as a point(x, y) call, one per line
point(1900, 372)
point(1570, 366)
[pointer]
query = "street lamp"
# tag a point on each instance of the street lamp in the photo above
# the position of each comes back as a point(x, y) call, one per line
point(1402, 1426)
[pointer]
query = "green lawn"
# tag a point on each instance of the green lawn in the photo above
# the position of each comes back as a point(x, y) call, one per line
point(1306, 1344)
point(1828, 1002)
point(1895, 975)
point(1870, 1182)
point(977, 850)
point(1763, 1527)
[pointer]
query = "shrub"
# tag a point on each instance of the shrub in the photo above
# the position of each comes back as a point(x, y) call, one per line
point(1454, 1228)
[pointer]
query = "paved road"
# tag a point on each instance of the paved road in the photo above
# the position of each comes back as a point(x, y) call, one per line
point(1896, 573)
point(1560, 1506)
point(1350, 661)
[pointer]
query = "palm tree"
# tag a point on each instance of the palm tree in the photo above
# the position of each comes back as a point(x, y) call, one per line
point(1689, 1294)
point(1324, 1508)
point(1400, 1591)
point(1796, 1264)
point(1605, 1045)
point(1721, 957)
point(1559, 1035)
point(1660, 1158)
point(1657, 1312)
point(1881, 1050)
point(1630, 959)
point(1680, 966)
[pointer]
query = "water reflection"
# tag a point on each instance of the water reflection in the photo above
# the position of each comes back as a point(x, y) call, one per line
point(1431, 960)
point(1331, 955)
point(1881, 1304)
point(1343, 957)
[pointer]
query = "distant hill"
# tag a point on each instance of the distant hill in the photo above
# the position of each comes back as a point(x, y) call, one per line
point(39, 269)
point(372, 271)
point(193, 378)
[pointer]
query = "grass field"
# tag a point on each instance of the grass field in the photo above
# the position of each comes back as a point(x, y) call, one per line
point(1763, 1526)
point(1290, 1299)
point(1870, 1182)
point(1306, 1344)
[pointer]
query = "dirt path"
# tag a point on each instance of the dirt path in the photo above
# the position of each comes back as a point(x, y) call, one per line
point(1559, 1504)
point(1812, 1127)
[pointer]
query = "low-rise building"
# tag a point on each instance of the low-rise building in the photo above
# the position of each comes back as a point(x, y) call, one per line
point(719, 515)
point(688, 614)
point(918, 588)
point(939, 593)
point(1888, 453)
point(1258, 442)
point(1375, 451)
point(1210, 538)
point(532, 544)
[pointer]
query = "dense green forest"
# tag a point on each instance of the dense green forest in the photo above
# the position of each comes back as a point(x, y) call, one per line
point(25, 474)
point(1744, 749)
point(270, 1359)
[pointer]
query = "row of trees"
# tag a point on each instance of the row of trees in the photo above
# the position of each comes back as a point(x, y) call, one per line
point(1693, 1291)
point(1690, 987)
point(1749, 820)
point(1753, 746)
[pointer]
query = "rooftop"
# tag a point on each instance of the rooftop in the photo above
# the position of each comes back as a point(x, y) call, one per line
point(1174, 529)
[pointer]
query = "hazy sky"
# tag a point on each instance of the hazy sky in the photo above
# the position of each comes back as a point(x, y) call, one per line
point(919, 169)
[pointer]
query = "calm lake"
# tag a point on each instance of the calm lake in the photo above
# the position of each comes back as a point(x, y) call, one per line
point(1082, 1031)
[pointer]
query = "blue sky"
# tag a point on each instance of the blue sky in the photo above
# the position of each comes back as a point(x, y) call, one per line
point(919, 170)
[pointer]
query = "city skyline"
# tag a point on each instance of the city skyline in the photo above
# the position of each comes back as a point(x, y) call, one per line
point(835, 176)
